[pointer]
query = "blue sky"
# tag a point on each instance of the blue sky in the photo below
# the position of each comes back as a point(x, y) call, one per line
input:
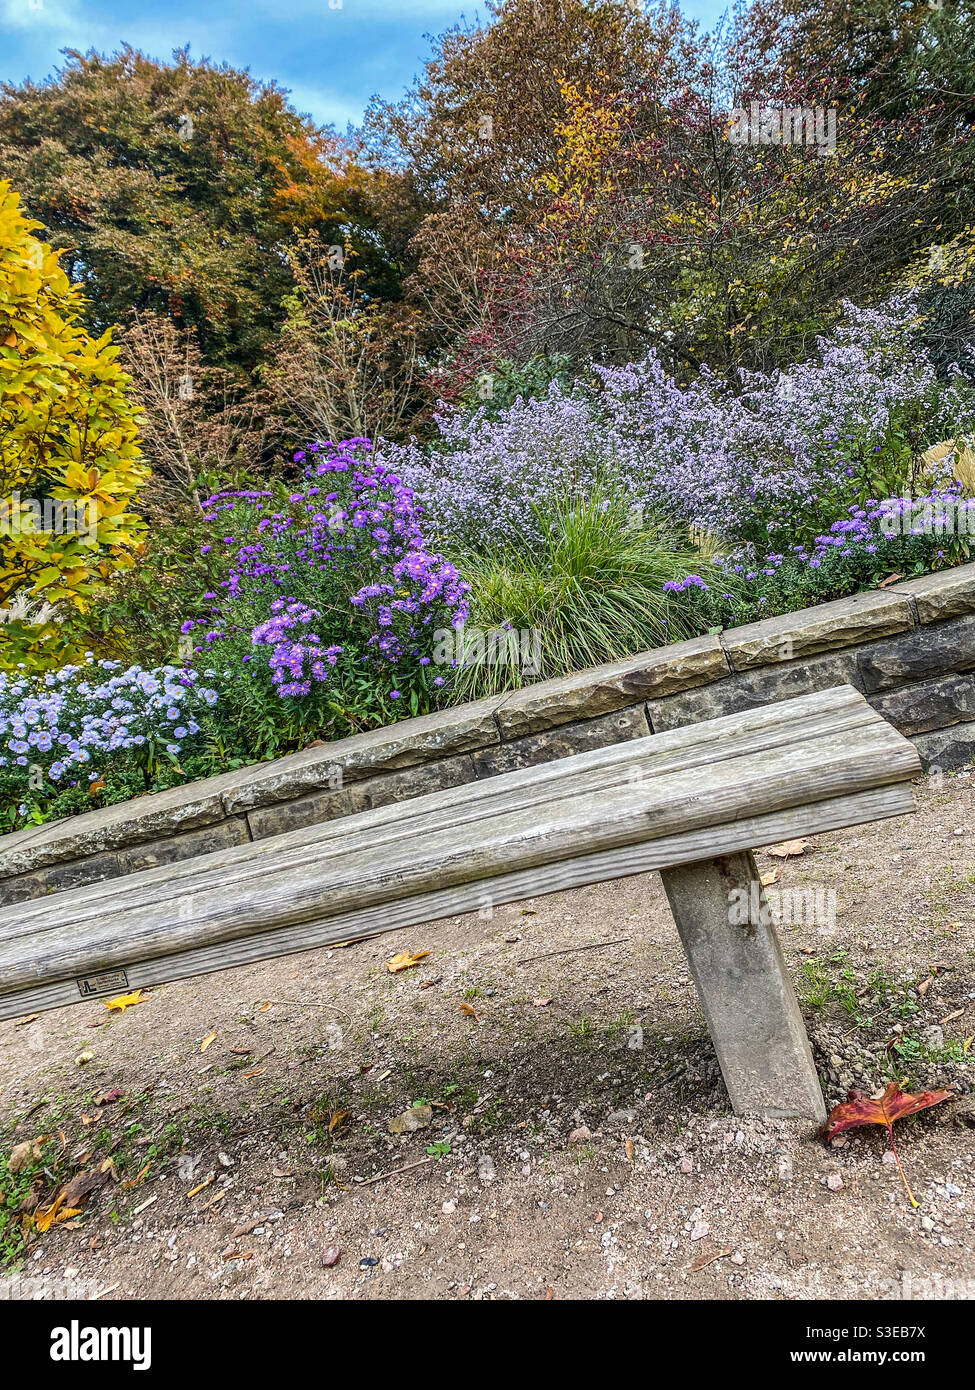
point(332, 59)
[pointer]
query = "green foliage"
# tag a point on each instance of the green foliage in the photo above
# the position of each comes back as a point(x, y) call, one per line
point(507, 380)
point(592, 592)
point(16, 1189)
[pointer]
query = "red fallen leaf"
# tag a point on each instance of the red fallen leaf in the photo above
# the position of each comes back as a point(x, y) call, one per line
point(893, 1105)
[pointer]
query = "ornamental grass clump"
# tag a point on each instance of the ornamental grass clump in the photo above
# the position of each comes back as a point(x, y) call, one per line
point(98, 732)
point(325, 623)
point(606, 581)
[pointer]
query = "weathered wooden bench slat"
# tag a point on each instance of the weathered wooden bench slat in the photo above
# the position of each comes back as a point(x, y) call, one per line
point(582, 774)
point(477, 851)
point(702, 845)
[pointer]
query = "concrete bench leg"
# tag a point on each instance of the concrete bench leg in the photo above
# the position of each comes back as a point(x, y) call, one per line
point(741, 977)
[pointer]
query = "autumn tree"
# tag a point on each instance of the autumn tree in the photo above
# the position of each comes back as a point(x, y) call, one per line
point(172, 188)
point(908, 71)
point(585, 148)
point(479, 125)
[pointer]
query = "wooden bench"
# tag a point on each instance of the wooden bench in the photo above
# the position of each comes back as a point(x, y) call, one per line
point(692, 803)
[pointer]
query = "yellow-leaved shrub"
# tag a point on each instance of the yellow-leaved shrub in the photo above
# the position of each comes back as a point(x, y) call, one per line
point(69, 454)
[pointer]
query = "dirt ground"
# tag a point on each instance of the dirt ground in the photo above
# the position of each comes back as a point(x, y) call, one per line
point(579, 1141)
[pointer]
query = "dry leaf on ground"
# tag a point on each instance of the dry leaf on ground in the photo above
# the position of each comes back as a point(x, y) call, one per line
point(894, 1104)
point(788, 849)
point(22, 1154)
point(405, 960)
point(417, 1117)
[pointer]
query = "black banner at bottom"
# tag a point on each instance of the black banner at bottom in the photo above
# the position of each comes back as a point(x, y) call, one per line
point(219, 1339)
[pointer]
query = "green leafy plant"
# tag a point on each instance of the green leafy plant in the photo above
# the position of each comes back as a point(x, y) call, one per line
point(592, 592)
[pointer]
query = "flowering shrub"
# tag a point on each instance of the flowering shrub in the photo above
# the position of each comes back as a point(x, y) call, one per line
point(770, 463)
point(327, 615)
point(96, 725)
point(883, 538)
point(488, 478)
point(862, 550)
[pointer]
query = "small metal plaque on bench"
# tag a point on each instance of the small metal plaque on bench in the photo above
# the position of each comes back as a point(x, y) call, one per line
point(101, 984)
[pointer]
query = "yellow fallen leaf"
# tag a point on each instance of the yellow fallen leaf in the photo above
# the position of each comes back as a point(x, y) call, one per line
point(55, 1214)
point(405, 960)
point(121, 1002)
point(470, 1011)
point(788, 848)
point(207, 1041)
point(44, 1218)
point(629, 1149)
point(769, 878)
point(336, 1119)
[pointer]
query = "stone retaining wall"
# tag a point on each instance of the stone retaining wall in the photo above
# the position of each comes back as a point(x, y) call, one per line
point(910, 649)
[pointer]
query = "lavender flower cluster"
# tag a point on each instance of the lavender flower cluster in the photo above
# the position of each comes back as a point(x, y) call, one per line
point(859, 550)
point(293, 645)
point(339, 576)
point(83, 719)
point(778, 448)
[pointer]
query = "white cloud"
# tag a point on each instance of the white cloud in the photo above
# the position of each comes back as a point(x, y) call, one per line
point(41, 15)
point(324, 104)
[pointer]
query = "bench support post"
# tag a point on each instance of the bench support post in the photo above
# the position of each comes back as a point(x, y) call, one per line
point(744, 986)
